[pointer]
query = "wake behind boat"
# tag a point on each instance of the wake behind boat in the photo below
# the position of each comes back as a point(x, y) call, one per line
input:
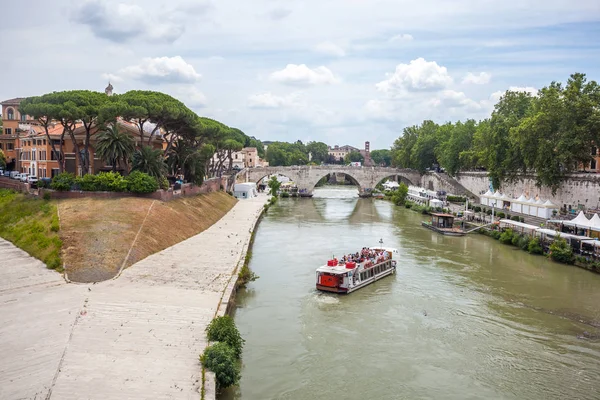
point(357, 270)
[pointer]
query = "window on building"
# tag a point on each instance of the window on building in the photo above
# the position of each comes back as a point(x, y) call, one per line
point(593, 164)
point(23, 118)
point(54, 172)
point(0, 146)
point(10, 113)
point(594, 150)
point(10, 146)
point(8, 131)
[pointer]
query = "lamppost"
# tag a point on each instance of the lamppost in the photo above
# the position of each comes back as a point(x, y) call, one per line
point(493, 205)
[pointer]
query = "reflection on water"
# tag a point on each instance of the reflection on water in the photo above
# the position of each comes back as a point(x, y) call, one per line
point(464, 318)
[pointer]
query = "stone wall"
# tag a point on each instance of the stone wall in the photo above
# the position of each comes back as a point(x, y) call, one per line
point(7, 183)
point(579, 189)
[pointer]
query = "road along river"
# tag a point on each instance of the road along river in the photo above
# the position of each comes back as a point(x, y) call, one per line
point(464, 318)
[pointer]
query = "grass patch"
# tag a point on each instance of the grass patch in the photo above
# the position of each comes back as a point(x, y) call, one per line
point(32, 225)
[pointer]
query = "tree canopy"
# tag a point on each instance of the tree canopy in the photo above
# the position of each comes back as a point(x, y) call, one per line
point(191, 141)
point(550, 135)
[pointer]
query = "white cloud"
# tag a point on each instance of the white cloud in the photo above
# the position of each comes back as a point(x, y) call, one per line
point(495, 97)
point(379, 110)
point(120, 22)
point(279, 13)
point(480, 79)
point(269, 100)
point(192, 97)
point(418, 75)
point(403, 37)
point(330, 49)
point(111, 78)
point(301, 75)
point(161, 70)
point(454, 99)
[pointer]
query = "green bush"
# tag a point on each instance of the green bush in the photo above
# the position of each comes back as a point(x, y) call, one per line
point(489, 212)
point(63, 181)
point(477, 209)
point(524, 242)
point(508, 216)
point(521, 219)
point(223, 329)
point(515, 239)
point(507, 236)
point(111, 182)
point(163, 183)
point(47, 196)
point(140, 182)
point(500, 215)
point(87, 183)
point(285, 195)
point(515, 218)
point(220, 359)
point(496, 235)
point(535, 246)
point(561, 251)
point(456, 199)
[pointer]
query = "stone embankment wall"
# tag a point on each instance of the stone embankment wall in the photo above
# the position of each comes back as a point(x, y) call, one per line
point(579, 189)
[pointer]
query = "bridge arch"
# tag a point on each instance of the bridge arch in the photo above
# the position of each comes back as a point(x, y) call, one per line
point(306, 177)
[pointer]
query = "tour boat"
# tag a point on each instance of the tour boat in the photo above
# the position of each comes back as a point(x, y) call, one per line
point(346, 277)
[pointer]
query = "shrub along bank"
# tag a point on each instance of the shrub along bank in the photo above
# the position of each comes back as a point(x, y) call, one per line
point(223, 357)
point(32, 225)
point(559, 250)
point(135, 182)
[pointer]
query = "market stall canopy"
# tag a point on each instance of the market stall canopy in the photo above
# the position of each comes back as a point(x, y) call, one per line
point(521, 198)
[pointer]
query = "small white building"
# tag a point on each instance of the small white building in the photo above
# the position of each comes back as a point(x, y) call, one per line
point(245, 190)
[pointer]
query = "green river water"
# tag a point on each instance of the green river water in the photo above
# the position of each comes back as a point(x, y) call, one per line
point(463, 318)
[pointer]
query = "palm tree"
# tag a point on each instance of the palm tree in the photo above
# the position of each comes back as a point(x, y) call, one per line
point(114, 146)
point(149, 160)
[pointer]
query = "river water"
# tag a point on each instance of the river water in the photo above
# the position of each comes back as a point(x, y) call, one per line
point(464, 318)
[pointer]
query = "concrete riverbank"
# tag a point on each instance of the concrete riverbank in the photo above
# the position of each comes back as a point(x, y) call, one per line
point(135, 337)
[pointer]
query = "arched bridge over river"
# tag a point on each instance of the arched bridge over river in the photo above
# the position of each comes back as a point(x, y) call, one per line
point(307, 176)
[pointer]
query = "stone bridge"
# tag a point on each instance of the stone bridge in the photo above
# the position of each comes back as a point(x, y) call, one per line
point(307, 176)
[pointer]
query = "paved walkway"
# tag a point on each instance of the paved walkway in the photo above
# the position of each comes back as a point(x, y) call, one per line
point(136, 337)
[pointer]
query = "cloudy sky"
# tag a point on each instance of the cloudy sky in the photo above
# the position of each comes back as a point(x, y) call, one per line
point(338, 71)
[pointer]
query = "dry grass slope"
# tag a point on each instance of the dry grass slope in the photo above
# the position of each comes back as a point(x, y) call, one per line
point(99, 233)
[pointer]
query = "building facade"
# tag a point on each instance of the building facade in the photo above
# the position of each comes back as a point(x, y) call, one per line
point(29, 150)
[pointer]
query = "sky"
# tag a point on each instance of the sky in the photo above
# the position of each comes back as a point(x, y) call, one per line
point(337, 71)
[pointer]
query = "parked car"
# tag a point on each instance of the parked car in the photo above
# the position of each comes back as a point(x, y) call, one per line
point(14, 174)
point(33, 181)
point(23, 177)
point(44, 182)
point(7, 174)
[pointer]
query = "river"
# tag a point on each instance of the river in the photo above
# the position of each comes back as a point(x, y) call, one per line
point(464, 318)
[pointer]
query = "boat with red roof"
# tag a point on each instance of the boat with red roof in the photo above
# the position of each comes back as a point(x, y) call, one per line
point(357, 270)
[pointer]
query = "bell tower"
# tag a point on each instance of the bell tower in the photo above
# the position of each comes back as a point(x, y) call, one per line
point(109, 89)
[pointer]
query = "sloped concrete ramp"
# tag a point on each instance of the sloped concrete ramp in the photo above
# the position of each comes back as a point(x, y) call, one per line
point(136, 337)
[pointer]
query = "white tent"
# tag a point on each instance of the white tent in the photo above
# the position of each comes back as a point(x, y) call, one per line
point(533, 209)
point(595, 222)
point(580, 221)
point(525, 206)
point(541, 212)
point(436, 203)
point(485, 198)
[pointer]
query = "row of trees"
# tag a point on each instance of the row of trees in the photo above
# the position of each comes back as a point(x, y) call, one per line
point(550, 134)
point(316, 153)
point(190, 140)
